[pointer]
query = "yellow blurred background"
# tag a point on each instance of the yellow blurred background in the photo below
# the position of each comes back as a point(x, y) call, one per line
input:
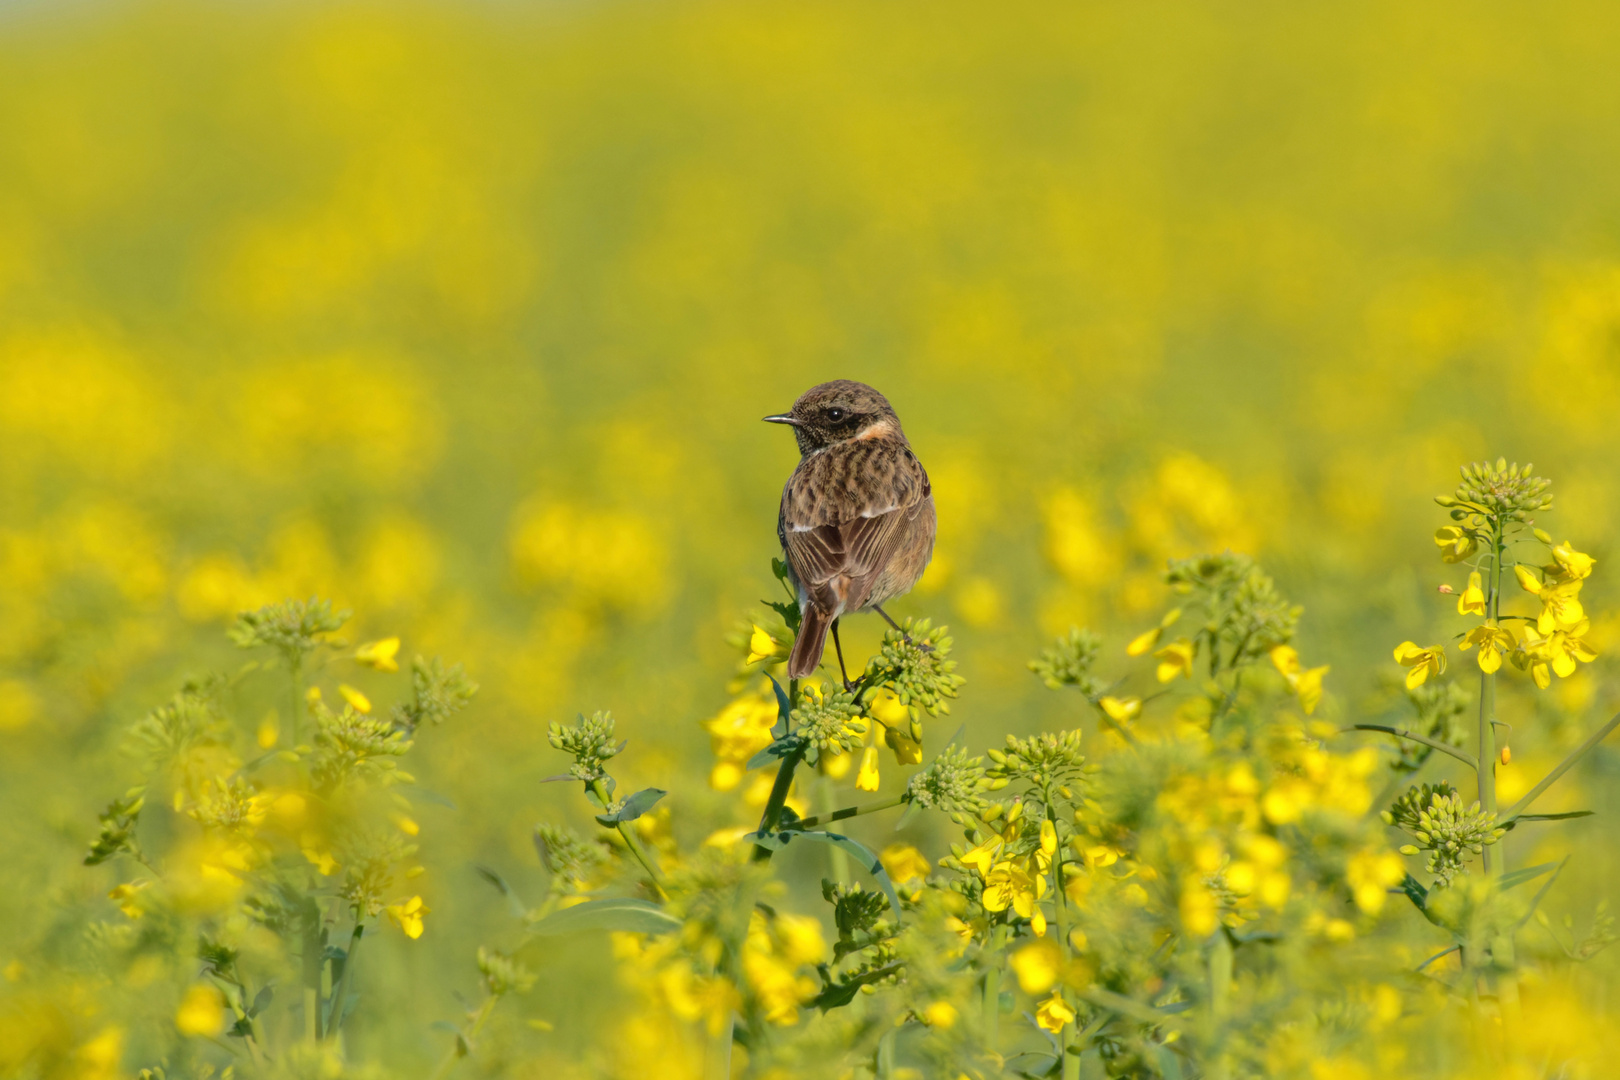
point(464, 315)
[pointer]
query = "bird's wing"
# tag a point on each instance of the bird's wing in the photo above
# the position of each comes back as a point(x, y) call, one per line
point(837, 560)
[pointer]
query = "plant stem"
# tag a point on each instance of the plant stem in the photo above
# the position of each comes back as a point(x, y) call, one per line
point(464, 1042)
point(773, 807)
point(314, 961)
point(992, 991)
point(295, 669)
point(635, 849)
point(837, 858)
point(1485, 768)
point(1401, 733)
point(340, 993)
point(1563, 767)
point(1069, 1064)
point(846, 812)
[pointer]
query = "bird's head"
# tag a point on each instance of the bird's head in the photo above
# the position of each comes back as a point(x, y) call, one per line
point(836, 412)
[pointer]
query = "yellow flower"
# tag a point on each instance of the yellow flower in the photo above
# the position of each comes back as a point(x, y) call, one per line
point(1048, 838)
point(1575, 564)
point(1559, 607)
point(1455, 543)
point(1371, 875)
point(1011, 885)
point(320, 858)
point(1121, 710)
point(408, 916)
point(125, 895)
point(1306, 684)
point(1144, 641)
point(1053, 1013)
point(355, 698)
point(983, 857)
point(201, 1012)
point(1492, 641)
point(269, 732)
point(379, 654)
point(1472, 600)
point(761, 646)
point(1557, 652)
point(941, 1014)
point(1423, 662)
point(907, 751)
point(904, 862)
point(867, 778)
point(1175, 659)
point(887, 709)
point(1038, 966)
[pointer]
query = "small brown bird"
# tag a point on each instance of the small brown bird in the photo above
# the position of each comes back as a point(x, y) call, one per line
point(857, 517)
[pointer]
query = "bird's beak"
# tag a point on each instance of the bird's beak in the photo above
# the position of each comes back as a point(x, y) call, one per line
point(784, 418)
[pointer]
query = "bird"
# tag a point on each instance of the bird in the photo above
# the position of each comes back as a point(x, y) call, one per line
point(857, 519)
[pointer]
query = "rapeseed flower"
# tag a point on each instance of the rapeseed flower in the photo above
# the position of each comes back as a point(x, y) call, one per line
point(408, 915)
point(1053, 1013)
point(379, 654)
point(1175, 659)
point(1493, 641)
point(1560, 606)
point(1472, 600)
point(1423, 662)
point(201, 1012)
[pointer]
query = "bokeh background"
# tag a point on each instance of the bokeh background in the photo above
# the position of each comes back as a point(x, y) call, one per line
point(465, 314)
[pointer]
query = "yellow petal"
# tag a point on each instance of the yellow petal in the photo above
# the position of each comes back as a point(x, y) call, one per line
point(1121, 710)
point(1527, 579)
point(355, 698)
point(867, 779)
point(379, 654)
point(1144, 641)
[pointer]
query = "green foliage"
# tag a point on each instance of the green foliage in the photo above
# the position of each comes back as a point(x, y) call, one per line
point(915, 663)
point(293, 628)
point(1069, 662)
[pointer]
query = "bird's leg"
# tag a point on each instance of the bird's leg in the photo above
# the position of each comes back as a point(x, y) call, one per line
point(925, 647)
point(839, 648)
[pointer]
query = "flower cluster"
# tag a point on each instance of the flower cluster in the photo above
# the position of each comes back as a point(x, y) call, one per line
point(590, 743)
point(915, 664)
point(829, 721)
point(953, 783)
point(1449, 831)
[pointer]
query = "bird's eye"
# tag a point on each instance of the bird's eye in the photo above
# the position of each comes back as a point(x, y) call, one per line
point(835, 415)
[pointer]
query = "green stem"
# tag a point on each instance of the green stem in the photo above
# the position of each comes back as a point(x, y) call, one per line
point(1401, 733)
point(635, 849)
point(992, 991)
point(1563, 767)
point(837, 858)
point(1070, 1063)
point(463, 1044)
point(1485, 768)
point(340, 994)
point(600, 790)
point(314, 961)
point(295, 668)
point(772, 817)
point(840, 815)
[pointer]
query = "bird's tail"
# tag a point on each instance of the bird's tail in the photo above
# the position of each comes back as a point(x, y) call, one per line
point(811, 642)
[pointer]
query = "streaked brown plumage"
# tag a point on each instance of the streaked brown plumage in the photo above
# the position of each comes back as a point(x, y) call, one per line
point(857, 516)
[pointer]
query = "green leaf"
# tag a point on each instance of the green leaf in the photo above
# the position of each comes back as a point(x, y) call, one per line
point(513, 901)
point(781, 748)
point(1519, 877)
point(615, 913)
point(1510, 823)
point(636, 805)
point(1415, 892)
point(784, 709)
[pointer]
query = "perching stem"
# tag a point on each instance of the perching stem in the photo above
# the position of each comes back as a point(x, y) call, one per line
point(1401, 733)
point(839, 815)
